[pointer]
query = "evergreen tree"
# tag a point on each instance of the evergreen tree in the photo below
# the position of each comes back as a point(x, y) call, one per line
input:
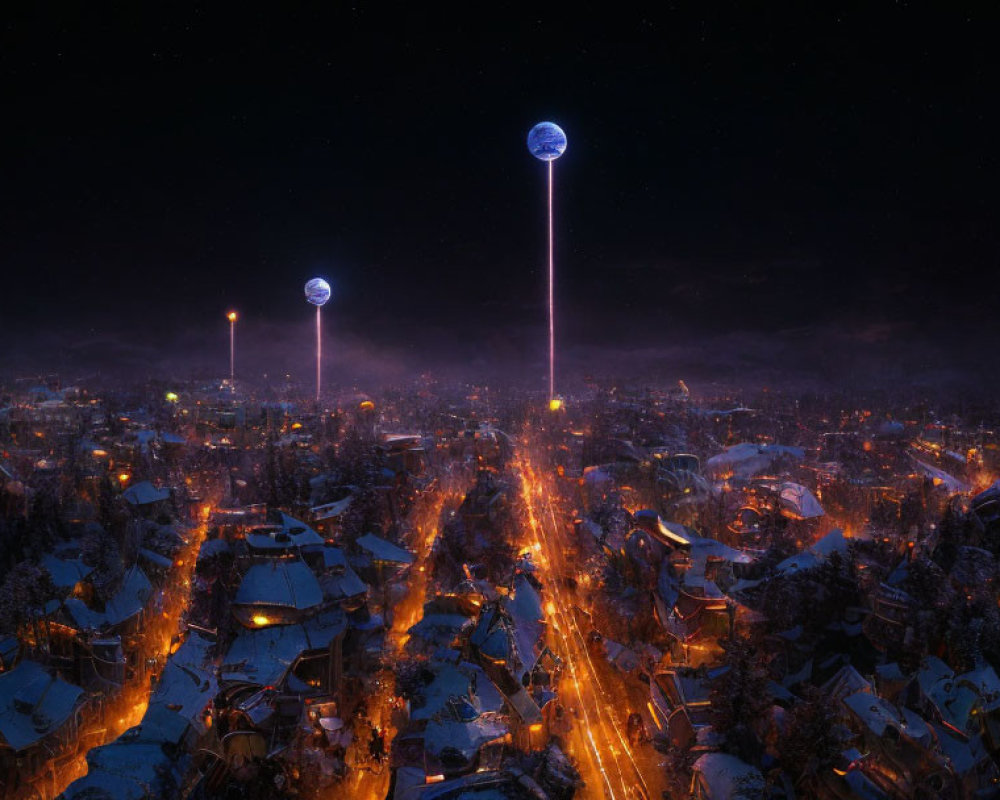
point(809, 744)
point(23, 596)
point(741, 700)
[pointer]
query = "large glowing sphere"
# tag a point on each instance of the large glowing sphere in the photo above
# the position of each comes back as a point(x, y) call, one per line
point(318, 292)
point(546, 141)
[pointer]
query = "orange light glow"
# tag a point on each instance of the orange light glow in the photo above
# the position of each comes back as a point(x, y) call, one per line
point(555, 404)
point(124, 477)
point(260, 620)
point(231, 316)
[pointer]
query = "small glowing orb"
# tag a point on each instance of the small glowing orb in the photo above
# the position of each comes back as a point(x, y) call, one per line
point(260, 620)
point(555, 404)
point(123, 478)
point(367, 405)
point(172, 397)
point(318, 292)
point(546, 141)
point(231, 316)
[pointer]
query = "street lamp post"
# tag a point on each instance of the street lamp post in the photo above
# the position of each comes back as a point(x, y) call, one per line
point(231, 316)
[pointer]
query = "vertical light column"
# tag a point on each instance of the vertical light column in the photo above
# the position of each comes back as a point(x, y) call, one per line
point(319, 351)
point(232, 347)
point(546, 142)
point(552, 302)
point(318, 293)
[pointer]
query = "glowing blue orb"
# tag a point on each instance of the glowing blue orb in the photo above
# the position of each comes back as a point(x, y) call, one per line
point(318, 292)
point(546, 141)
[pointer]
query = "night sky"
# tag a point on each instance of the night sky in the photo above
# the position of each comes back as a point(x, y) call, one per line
point(819, 184)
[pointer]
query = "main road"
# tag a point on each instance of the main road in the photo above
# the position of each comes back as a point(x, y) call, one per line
point(588, 690)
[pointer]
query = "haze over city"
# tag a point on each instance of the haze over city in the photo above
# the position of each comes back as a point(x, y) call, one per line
point(499, 406)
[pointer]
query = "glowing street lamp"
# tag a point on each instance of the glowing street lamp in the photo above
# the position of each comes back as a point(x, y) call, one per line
point(546, 142)
point(231, 316)
point(318, 293)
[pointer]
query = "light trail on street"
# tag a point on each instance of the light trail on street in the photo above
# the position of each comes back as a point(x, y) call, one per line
point(603, 741)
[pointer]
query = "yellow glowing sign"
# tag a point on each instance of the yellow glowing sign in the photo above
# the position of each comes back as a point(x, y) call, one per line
point(172, 397)
point(555, 404)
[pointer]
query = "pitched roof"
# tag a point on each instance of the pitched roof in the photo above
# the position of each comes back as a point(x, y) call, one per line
point(128, 601)
point(264, 655)
point(382, 550)
point(33, 704)
point(290, 584)
point(144, 493)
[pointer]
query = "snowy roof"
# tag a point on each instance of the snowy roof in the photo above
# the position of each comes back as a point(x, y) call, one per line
point(449, 681)
point(525, 609)
point(99, 785)
point(846, 681)
point(749, 459)
point(439, 628)
point(128, 601)
point(122, 764)
point(213, 547)
point(155, 558)
point(729, 778)
point(874, 712)
point(264, 655)
point(299, 532)
point(491, 635)
point(702, 549)
point(332, 510)
point(342, 584)
point(188, 681)
point(33, 704)
point(466, 737)
point(949, 483)
point(798, 502)
point(381, 550)
point(290, 584)
point(953, 698)
point(985, 682)
point(65, 572)
point(963, 756)
point(333, 557)
point(833, 542)
point(144, 493)
point(288, 533)
point(671, 533)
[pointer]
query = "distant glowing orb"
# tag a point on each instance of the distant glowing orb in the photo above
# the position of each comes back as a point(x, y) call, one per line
point(555, 404)
point(318, 292)
point(546, 141)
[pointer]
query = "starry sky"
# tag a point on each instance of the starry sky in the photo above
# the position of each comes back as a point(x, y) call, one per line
point(815, 182)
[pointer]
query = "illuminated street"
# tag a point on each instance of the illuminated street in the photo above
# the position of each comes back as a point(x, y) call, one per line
point(398, 404)
point(599, 742)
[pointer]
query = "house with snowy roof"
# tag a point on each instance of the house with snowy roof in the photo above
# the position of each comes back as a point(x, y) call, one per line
point(40, 715)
